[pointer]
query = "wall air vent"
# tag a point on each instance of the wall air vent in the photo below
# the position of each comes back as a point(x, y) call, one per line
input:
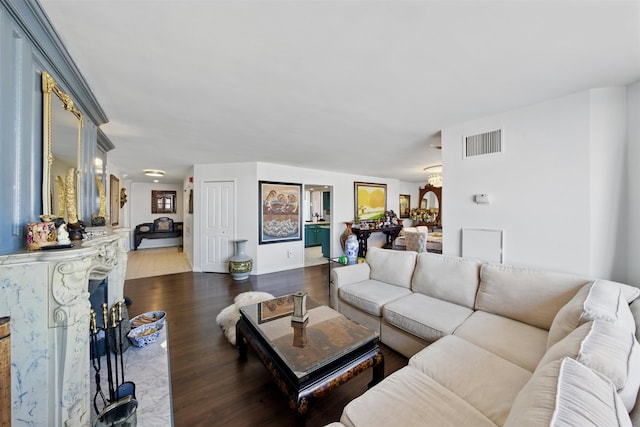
point(483, 143)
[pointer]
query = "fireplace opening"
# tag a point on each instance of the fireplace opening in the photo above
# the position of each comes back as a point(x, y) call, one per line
point(98, 295)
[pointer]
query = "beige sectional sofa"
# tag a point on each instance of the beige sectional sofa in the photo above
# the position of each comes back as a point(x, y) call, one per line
point(492, 344)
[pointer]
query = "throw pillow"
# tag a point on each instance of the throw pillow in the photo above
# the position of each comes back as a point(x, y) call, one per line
point(567, 393)
point(607, 349)
point(597, 300)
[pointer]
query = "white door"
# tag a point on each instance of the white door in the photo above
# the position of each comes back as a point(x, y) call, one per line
point(217, 228)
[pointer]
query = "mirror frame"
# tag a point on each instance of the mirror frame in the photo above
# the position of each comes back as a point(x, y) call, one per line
point(50, 86)
point(438, 192)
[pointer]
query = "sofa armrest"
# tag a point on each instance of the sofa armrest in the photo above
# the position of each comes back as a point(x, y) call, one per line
point(145, 227)
point(346, 275)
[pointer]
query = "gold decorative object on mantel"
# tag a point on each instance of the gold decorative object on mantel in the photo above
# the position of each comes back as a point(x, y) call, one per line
point(123, 197)
point(70, 196)
point(60, 196)
point(103, 198)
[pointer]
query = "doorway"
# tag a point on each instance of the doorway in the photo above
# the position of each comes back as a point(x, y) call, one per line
point(217, 225)
point(317, 208)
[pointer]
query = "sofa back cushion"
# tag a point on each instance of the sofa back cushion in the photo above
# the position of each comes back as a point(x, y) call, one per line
point(567, 393)
point(597, 300)
point(448, 278)
point(393, 267)
point(606, 348)
point(524, 294)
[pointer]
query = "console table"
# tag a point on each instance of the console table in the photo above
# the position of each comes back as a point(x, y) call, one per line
point(391, 233)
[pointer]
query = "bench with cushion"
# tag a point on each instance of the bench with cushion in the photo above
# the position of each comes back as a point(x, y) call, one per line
point(161, 228)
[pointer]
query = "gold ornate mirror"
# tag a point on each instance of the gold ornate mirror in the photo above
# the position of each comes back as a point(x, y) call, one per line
point(62, 153)
point(431, 200)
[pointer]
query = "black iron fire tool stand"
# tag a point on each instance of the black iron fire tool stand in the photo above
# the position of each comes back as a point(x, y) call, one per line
point(96, 362)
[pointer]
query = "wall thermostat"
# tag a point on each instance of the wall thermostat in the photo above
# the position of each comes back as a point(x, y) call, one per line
point(481, 198)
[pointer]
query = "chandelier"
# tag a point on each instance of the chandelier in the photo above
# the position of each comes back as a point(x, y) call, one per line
point(434, 175)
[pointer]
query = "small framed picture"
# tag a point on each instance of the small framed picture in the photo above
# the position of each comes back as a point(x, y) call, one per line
point(405, 205)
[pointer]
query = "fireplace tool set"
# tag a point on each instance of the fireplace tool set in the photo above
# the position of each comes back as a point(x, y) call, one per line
point(119, 408)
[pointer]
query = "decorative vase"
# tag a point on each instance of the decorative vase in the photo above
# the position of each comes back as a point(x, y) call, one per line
point(351, 248)
point(240, 265)
point(348, 232)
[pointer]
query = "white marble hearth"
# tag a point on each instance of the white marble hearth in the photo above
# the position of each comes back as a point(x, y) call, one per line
point(148, 368)
point(46, 295)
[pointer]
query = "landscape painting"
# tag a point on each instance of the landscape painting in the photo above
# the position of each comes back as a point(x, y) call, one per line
point(370, 201)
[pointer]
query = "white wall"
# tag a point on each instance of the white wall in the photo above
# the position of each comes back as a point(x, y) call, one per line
point(633, 180)
point(538, 187)
point(140, 210)
point(551, 189)
point(608, 173)
point(274, 257)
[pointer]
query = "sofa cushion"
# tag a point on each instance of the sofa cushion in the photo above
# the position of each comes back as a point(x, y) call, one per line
point(389, 266)
point(371, 295)
point(487, 382)
point(426, 317)
point(524, 294)
point(597, 300)
point(408, 397)
point(448, 278)
point(515, 341)
point(606, 348)
point(567, 393)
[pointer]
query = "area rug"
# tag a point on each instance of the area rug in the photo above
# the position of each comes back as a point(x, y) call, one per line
point(229, 316)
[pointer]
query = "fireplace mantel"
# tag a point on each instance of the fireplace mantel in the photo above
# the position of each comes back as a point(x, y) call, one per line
point(45, 293)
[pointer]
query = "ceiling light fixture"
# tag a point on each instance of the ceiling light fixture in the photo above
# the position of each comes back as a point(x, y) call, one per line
point(434, 176)
point(153, 172)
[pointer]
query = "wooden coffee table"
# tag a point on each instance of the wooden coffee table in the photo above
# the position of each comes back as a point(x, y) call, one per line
point(307, 360)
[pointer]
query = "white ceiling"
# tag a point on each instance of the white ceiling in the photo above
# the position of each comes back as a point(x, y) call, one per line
point(351, 86)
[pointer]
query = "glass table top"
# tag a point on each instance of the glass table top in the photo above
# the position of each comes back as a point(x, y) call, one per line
point(306, 347)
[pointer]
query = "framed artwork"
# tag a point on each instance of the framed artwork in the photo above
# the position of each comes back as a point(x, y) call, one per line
point(405, 205)
point(275, 308)
point(114, 199)
point(280, 216)
point(191, 201)
point(370, 201)
point(163, 201)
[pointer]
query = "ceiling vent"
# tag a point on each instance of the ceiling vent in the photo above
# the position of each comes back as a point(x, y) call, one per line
point(483, 143)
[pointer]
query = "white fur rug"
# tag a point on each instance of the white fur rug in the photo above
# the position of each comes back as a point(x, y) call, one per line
point(229, 316)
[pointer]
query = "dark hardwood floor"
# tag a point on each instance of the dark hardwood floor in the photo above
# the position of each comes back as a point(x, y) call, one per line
point(211, 386)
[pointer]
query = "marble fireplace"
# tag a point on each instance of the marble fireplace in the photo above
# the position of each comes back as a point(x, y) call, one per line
point(46, 295)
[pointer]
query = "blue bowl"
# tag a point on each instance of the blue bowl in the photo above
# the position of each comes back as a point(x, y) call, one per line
point(158, 315)
point(144, 335)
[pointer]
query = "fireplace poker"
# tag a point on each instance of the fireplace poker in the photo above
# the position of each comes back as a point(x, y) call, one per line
point(120, 348)
point(105, 319)
point(96, 362)
point(114, 320)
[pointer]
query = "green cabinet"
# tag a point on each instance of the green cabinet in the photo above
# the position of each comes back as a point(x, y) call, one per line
point(311, 235)
point(325, 241)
